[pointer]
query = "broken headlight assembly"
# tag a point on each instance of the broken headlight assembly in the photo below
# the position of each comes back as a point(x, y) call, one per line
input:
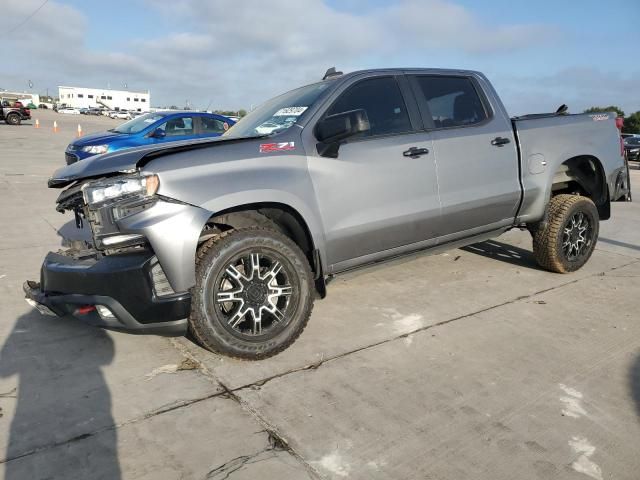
point(125, 187)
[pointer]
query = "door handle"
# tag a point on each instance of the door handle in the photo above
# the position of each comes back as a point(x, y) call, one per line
point(415, 152)
point(499, 141)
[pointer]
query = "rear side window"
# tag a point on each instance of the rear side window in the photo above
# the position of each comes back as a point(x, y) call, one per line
point(212, 125)
point(452, 101)
point(177, 127)
point(382, 100)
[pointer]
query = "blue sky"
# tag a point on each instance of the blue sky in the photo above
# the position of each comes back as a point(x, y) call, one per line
point(235, 54)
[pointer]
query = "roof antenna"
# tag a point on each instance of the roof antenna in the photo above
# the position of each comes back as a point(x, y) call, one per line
point(330, 73)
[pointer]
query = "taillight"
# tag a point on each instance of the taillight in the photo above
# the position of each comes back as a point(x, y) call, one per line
point(619, 122)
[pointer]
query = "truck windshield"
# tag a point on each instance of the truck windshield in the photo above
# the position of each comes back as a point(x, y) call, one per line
point(279, 113)
point(138, 124)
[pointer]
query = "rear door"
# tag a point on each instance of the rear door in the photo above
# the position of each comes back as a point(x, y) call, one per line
point(375, 196)
point(475, 153)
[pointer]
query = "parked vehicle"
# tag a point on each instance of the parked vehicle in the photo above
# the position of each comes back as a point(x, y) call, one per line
point(12, 114)
point(232, 237)
point(632, 147)
point(69, 110)
point(123, 114)
point(148, 129)
point(84, 111)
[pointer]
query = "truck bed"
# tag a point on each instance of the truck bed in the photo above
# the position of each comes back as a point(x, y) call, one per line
point(545, 141)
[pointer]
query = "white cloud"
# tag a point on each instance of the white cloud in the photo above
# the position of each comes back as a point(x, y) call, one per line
point(239, 53)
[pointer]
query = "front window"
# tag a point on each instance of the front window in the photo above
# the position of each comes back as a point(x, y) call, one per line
point(139, 123)
point(382, 100)
point(279, 113)
point(635, 141)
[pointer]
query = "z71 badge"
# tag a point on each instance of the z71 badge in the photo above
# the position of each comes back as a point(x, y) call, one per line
point(277, 147)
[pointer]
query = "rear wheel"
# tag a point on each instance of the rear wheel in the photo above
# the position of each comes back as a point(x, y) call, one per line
point(570, 235)
point(13, 119)
point(253, 294)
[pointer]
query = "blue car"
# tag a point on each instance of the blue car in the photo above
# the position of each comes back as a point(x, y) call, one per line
point(149, 129)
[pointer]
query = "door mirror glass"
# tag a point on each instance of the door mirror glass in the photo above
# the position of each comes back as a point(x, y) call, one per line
point(341, 126)
point(159, 133)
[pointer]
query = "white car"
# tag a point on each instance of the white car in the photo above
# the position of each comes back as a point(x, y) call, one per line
point(125, 115)
point(69, 111)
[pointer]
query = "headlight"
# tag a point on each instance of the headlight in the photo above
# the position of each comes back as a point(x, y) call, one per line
point(116, 187)
point(95, 149)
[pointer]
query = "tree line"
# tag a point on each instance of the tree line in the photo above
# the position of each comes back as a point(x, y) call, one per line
point(631, 122)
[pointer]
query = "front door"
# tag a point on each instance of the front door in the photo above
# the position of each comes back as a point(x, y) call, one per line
point(376, 196)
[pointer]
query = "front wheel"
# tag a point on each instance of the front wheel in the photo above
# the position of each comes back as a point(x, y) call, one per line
point(569, 237)
point(253, 294)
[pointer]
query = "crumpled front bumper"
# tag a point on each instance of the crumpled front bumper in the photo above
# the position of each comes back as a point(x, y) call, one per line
point(124, 284)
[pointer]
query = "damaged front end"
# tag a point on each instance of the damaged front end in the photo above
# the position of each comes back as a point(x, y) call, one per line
point(135, 270)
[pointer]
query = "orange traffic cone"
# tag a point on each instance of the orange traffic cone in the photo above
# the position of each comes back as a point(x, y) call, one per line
point(55, 126)
point(37, 125)
point(79, 130)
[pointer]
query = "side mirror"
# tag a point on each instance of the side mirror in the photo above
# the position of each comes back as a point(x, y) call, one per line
point(333, 129)
point(159, 133)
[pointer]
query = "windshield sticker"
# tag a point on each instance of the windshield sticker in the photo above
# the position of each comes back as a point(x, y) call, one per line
point(277, 147)
point(289, 111)
point(600, 117)
point(149, 120)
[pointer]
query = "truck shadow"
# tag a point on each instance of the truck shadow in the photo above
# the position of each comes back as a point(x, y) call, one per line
point(56, 396)
point(634, 383)
point(504, 252)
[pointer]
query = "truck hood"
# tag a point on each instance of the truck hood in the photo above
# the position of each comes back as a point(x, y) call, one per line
point(128, 159)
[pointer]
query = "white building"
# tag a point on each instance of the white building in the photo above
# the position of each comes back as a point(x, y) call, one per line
point(80, 97)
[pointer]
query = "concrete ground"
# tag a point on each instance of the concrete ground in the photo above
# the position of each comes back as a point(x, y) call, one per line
point(470, 364)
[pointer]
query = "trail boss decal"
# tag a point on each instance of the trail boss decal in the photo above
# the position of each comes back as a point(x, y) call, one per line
point(277, 147)
point(600, 117)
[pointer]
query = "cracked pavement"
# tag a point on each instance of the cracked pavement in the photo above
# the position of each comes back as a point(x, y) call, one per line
point(468, 364)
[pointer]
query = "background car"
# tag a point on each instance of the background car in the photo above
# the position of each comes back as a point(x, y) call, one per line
point(632, 148)
point(149, 129)
point(69, 110)
point(123, 114)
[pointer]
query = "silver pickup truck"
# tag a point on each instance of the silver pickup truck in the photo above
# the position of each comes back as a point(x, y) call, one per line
point(233, 238)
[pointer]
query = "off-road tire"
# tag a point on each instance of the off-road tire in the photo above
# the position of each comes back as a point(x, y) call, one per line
point(13, 119)
point(207, 325)
point(548, 239)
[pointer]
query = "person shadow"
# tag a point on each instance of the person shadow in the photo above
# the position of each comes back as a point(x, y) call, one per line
point(55, 393)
